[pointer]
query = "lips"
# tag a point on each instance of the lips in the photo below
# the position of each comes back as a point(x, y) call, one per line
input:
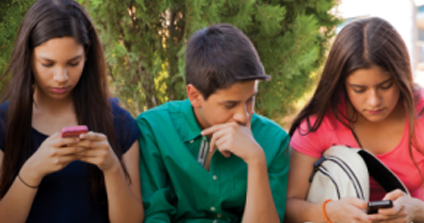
point(58, 90)
point(375, 112)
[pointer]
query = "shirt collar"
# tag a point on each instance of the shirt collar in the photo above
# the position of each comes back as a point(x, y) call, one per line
point(192, 127)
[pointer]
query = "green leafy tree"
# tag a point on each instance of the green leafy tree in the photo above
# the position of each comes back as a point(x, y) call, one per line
point(11, 14)
point(145, 42)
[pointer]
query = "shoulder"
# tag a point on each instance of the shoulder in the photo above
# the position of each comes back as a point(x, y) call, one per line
point(161, 113)
point(125, 125)
point(121, 117)
point(4, 106)
point(274, 141)
point(313, 143)
point(328, 123)
point(117, 110)
point(269, 134)
point(156, 111)
point(4, 109)
point(169, 119)
point(263, 125)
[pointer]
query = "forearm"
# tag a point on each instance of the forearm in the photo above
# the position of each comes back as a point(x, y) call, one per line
point(123, 205)
point(16, 204)
point(260, 205)
point(298, 210)
point(418, 211)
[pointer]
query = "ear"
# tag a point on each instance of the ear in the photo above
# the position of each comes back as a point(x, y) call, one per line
point(194, 96)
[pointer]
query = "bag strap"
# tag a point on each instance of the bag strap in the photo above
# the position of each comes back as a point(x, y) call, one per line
point(379, 172)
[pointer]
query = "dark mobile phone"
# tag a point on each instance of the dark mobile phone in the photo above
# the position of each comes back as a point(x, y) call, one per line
point(373, 206)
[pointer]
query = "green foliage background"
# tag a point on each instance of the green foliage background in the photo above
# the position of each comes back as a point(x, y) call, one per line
point(11, 14)
point(145, 40)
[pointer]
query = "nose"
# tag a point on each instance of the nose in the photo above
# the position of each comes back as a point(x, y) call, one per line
point(374, 99)
point(242, 115)
point(61, 75)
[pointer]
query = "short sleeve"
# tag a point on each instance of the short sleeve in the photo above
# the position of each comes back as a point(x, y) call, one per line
point(126, 128)
point(311, 144)
point(158, 194)
point(278, 173)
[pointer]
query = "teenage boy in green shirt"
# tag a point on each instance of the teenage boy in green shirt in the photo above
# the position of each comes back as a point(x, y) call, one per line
point(210, 158)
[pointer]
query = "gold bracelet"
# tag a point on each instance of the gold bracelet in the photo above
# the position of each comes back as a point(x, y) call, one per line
point(33, 187)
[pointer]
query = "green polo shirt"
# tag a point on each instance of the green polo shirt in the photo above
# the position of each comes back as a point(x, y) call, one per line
point(177, 188)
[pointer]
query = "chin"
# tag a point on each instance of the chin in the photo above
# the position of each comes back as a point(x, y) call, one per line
point(59, 97)
point(379, 118)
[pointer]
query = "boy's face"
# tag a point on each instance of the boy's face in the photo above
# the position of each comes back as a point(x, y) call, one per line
point(235, 103)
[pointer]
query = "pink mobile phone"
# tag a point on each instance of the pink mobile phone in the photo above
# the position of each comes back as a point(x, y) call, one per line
point(74, 131)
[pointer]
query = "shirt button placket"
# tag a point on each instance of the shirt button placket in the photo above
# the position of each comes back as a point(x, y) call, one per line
point(212, 208)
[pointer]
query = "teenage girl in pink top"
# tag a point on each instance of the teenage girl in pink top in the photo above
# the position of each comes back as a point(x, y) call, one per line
point(365, 98)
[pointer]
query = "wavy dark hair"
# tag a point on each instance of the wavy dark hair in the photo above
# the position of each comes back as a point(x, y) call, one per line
point(45, 20)
point(361, 44)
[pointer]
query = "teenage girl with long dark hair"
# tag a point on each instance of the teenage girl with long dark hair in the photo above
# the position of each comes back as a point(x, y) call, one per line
point(366, 99)
point(57, 78)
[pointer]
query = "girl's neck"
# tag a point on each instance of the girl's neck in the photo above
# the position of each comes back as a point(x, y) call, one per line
point(51, 115)
point(46, 104)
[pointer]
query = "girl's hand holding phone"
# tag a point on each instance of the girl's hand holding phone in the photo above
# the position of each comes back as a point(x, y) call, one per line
point(403, 210)
point(54, 154)
point(97, 151)
point(347, 209)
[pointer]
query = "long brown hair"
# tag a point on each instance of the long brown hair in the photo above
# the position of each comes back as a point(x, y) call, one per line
point(360, 45)
point(47, 19)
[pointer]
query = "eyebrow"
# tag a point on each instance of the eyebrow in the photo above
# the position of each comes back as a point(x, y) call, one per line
point(235, 102)
point(383, 82)
point(49, 60)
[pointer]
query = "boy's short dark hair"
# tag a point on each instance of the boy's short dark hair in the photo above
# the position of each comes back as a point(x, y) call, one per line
point(218, 57)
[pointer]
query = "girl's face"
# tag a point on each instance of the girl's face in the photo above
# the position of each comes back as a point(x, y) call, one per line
point(57, 66)
point(373, 93)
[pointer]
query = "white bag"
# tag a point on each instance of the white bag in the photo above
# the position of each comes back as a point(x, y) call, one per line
point(344, 171)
